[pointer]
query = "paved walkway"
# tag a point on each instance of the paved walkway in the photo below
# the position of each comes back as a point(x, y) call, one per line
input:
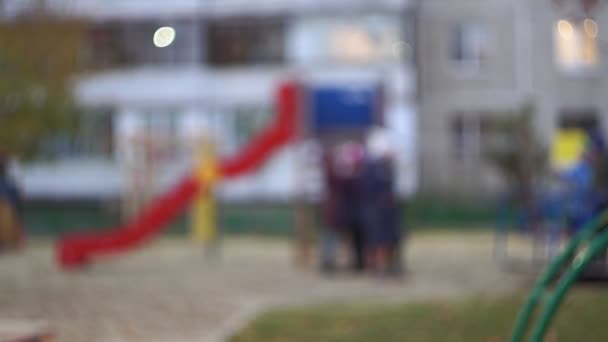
point(169, 292)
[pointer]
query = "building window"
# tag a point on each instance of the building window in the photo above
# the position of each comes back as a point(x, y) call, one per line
point(472, 133)
point(97, 134)
point(93, 136)
point(250, 121)
point(464, 131)
point(468, 45)
point(576, 45)
point(585, 119)
point(361, 39)
point(231, 43)
point(104, 47)
point(117, 44)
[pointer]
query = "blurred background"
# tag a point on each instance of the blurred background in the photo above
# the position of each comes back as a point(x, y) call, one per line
point(495, 111)
point(448, 74)
point(133, 96)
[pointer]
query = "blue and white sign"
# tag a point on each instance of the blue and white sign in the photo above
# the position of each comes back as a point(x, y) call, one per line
point(335, 109)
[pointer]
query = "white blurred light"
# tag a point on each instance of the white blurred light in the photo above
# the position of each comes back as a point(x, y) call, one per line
point(565, 29)
point(164, 36)
point(591, 27)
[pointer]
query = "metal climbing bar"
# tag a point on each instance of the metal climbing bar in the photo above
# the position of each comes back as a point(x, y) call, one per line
point(540, 293)
point(561, 288)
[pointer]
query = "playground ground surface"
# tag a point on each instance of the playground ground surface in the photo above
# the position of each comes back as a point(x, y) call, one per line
point(171, 291)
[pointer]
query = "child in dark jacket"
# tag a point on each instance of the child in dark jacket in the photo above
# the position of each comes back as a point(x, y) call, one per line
point(381, 209)
point(342, 205)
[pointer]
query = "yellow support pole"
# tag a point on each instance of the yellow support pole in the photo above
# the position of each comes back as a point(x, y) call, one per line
point(204, 218)
point(204, 213)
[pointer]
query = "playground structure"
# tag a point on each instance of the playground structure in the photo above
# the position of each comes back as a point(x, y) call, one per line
point(77, 250)
point(529, 237)
point(319, 109)
point(554, 283)
point(582, 256)
point(552, 286)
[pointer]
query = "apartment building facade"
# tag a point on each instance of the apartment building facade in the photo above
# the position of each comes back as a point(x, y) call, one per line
point(482, 59)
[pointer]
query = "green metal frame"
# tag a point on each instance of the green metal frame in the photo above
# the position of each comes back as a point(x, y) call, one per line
point(554, 283)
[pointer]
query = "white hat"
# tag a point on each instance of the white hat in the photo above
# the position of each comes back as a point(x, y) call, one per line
point(379, 143)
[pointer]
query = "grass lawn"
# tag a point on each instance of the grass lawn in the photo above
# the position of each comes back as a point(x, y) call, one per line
point(583, 317)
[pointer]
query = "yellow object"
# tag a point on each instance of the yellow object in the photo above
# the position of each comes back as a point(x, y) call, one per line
point(207, 171)
point(204, 218)
point(204, 209)
point(568, 148)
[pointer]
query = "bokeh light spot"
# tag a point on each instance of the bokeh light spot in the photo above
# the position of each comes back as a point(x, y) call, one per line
point(164, 36)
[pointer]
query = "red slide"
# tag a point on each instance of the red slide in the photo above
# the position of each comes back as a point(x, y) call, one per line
point(79, 249)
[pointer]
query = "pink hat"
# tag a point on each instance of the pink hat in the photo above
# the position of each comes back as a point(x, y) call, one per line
point(348, 157)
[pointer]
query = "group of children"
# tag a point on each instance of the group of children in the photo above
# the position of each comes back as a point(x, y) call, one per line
point(360, 205)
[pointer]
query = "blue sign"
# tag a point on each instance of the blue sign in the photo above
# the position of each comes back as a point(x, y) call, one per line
point(335, 109)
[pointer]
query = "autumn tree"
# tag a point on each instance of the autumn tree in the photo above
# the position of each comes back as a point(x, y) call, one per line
point(518, 155)
point(38, 58)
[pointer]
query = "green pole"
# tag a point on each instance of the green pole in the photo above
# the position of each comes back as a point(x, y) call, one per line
point(550, 274)
point(562, 287)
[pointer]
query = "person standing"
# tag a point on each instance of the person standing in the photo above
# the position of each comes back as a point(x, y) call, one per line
point(11, 208)
point(381, 209)
point(348, 199)
point(329, 213)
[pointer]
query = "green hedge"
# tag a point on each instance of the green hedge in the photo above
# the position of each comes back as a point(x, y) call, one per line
point(446, 213)
point(58, 218)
